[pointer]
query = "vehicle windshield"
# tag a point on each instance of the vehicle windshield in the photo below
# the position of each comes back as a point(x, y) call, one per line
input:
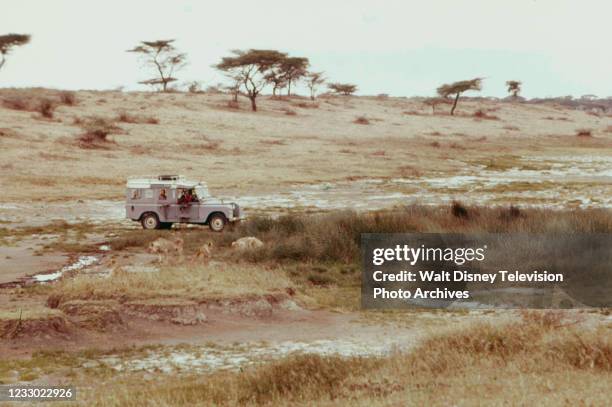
point(202, 192)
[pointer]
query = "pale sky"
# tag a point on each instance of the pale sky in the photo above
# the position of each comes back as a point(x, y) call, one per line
point(403, 47)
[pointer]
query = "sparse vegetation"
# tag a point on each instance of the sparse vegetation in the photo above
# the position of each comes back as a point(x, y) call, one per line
point(541, 359)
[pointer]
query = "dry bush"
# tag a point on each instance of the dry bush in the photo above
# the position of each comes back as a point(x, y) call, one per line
point(608, 129)
point(125, 117)
point(173, 281)
point(459, 210)
point(435, 144)
point(361, 120)
point(511, 128)
point(46, 108)
point(584, 133)
point(96, 132)
point(306, 105)
point(68, 98)
point(16, 103)
point(290, 112)
point(481, 114)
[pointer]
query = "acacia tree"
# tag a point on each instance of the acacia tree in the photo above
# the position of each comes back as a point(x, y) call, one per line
point(343, 88)
point(164, 58)
point(457, 88)
point(514, 87)
point(292, 69)
point(10, 41)
point(276, 79)
point(313, 80)
point(252, 68)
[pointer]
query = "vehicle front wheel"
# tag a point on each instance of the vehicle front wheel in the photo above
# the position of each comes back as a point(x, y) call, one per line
point(150, 221)
point(217, 222)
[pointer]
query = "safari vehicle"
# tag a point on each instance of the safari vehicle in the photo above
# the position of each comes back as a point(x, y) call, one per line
point(158, 202)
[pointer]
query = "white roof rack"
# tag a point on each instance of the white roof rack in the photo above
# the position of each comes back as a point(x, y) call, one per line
point(170, 181)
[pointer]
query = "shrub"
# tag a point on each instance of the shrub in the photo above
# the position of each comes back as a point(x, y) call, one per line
point(459, 211)
point(584, 133)
point(46, 108)
point(125, 117)
point(290, 112)
point(96, 132)
point(361, 120)
point(68, 98)
point(194, 87)
point(15, 104)
point(232, 104)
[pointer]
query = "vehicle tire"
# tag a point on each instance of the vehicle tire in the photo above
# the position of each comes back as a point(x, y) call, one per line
point(150, 221)
point(217, 222)
point(165, 225)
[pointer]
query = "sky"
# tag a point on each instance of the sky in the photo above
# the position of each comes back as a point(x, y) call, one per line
point(402, 48)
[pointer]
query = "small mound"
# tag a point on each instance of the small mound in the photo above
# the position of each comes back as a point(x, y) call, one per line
point(255, 306)
point(42, 323)
point(177, 311)
point(97, 315)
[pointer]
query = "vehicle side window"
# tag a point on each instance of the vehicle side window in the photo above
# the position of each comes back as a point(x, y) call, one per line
point(148, 194)
point(135, 194)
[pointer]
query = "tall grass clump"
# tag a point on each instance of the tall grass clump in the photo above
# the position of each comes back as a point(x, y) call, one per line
point(335, 237)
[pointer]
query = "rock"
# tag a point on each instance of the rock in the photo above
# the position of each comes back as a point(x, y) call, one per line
point(247, 243)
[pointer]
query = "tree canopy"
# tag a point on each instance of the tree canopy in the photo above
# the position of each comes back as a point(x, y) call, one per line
point(292, 69)
point(164, 58)
point(343, 88)
point(514, 87)
point(457, 88)
point(252, 68)
point(313, 80)
point(10, 41)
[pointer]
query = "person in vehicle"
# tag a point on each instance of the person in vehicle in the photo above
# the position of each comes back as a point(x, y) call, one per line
point(162, 195)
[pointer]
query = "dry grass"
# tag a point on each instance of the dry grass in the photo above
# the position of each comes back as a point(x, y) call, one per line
point(335, 237)
point(191, 282)
point(508, 363)
point(125, 117)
